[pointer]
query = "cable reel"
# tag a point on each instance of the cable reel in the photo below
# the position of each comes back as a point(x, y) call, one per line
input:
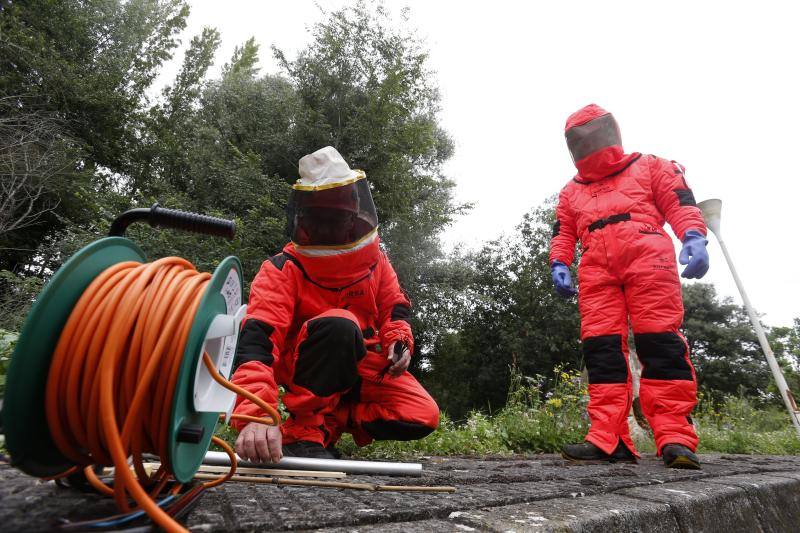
point(198, 400)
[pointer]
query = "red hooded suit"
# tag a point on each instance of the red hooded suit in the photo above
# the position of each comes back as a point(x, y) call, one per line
point(617, 205)
point(320, 325)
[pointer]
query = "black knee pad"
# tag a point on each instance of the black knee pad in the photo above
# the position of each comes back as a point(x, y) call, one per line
point(604, 359)
point(663, 356)
point(327, 359)
point(396, 430)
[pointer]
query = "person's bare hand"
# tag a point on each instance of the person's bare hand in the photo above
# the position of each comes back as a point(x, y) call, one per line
point(400, 363)
point(260, 443)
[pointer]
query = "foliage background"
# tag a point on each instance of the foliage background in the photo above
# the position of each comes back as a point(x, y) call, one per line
point(81, 141)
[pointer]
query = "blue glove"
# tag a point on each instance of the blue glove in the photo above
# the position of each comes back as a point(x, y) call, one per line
point(562, 279)
point(694, 254)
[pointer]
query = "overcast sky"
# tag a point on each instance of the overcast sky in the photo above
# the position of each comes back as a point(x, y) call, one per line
point(712, 85)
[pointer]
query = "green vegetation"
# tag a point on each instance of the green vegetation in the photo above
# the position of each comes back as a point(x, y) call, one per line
point(8, 340)
point(738, 426)
point(537, 422)
point(81, 141)
point(531, 421)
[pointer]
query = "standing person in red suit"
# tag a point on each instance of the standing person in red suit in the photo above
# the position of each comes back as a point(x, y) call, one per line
point(617, 205)
point(328, 321)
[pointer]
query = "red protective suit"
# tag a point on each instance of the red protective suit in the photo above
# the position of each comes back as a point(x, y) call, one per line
point(617, 205)
point(320, 325)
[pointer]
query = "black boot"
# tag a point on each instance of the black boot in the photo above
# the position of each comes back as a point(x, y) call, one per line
point(588, 453)
point(679, 456)
point(304, 448)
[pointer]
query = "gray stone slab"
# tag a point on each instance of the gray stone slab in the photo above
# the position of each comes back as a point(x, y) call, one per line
point(421, 526)
point(246, 506)
point(27, 504)
point(762, 463)
point(591, 514)
point(788, 474)
point(700, 506)
point(492, 482)
point(775, 500)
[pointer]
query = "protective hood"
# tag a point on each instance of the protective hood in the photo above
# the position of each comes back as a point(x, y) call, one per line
point(330, 209)
point(595, 143)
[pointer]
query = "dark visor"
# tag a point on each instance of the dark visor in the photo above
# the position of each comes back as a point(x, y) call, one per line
point(336, 217)
point(588, 138)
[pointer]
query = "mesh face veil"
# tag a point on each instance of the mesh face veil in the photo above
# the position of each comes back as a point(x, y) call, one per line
point(338, 217)
point(592, 136)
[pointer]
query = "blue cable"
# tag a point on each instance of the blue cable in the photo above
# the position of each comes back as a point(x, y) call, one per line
point(128, 517)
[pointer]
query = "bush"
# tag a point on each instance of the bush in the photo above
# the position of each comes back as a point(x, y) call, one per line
point(531, 421)
point(537, 422)
point(8, 340)
point(737, 426)
point(17, 294)
point(478, 435)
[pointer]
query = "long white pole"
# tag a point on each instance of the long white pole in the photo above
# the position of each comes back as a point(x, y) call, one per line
point(788, 399)
point(327, 465)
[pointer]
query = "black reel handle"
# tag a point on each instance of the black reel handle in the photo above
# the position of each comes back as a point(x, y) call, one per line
point(172, 218)
point(194, 222)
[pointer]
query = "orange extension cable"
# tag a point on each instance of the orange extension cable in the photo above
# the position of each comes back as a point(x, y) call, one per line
point(112, 378)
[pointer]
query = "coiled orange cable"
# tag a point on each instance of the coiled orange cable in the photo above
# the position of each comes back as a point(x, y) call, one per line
point(113, 374)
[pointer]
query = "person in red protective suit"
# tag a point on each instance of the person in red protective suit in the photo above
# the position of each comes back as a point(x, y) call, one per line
point(328, 321)
point(617, 205)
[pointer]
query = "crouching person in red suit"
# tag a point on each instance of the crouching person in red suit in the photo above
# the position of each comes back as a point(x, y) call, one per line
point(328, 321)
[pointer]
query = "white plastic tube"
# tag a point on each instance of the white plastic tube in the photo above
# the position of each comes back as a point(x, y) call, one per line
point(374, 468)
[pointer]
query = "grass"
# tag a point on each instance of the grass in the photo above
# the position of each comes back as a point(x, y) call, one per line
point(535, 422)
point(737, 426)
point(530, 422)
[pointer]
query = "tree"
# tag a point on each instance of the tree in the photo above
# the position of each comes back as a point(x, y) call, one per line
point(208, 148)
point(785, 342)
point(505, 315)
point(724, 347)
point(366, 89)
point(509, 317)
point(230, 146)
point(90, 60)
point(85, 65)
point(36, 157)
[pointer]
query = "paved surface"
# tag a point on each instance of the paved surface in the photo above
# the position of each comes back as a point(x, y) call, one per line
point(537, 493)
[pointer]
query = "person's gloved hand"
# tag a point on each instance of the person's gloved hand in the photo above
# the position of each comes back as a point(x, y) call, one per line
point(562, 279)
point(694, 254)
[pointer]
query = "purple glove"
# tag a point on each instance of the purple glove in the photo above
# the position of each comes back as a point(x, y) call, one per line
point(694, 254)
point(562, 279)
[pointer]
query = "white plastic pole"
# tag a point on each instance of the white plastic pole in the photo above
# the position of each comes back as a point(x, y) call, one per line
point(375, 468)
point(712, 212)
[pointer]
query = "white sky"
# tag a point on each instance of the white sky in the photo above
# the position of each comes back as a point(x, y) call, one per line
point(713, 85)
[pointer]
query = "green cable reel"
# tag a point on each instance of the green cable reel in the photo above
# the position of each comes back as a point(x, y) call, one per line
point(198, 399)
point(214, 329)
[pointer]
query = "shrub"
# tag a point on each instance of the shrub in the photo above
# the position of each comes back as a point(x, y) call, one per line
point(8, 340)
